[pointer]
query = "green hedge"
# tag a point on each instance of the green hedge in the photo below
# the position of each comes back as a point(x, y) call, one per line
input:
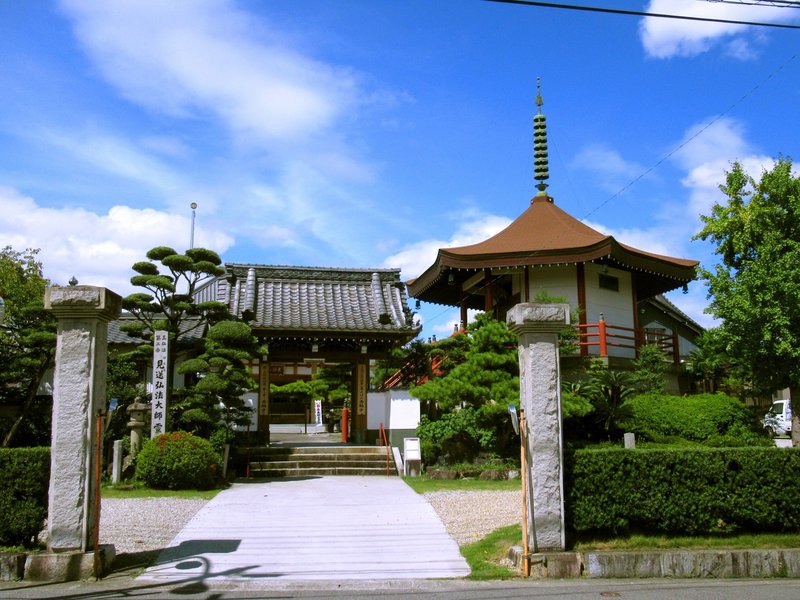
point(683, 491)
point(178, 461)
point(715, 419)
point(24, 485)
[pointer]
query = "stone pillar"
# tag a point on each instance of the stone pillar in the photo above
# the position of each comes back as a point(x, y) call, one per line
point(116, 462)
point(136, 411)
point(79, 389)
point(537, 327)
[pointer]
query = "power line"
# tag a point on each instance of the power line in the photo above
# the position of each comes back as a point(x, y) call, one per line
point(689, 139)
point(638, 13)
point(775, 3)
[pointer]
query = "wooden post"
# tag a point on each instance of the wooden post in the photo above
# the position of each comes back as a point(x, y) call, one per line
point(526, 551)
point(676, 351)
point(601, 332)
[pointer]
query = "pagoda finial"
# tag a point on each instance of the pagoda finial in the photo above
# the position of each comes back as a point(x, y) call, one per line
point(540, 160)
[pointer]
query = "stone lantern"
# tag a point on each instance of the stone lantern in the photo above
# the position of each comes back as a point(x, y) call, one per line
point(137, 411)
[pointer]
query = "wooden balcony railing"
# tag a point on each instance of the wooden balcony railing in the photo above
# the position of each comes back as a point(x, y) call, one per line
point(604, 336)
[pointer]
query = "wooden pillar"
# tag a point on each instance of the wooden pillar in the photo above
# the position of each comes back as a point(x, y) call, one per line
point(581, 276)
point(360, 387)
point(263, 399)
point(487, 284)
point(463, 305)
point(526, 296)
point(637, 330)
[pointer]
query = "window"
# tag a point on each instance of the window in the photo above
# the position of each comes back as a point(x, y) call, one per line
point(607, 282)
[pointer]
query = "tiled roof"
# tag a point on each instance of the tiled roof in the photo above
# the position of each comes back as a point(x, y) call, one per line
point(311, 299)
point(116, 336)
point(545, 235)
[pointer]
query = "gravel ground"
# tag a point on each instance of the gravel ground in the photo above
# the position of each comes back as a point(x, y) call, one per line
point(144, 524)
point(470, 516)
point(138, 525)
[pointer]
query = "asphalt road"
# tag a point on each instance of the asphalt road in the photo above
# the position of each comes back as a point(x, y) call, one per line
point(196, 588)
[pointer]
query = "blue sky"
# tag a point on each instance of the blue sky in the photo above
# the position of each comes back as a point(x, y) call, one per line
point(370, 133)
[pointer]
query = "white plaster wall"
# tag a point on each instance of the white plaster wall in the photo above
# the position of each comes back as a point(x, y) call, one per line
point(377, 410)
point(396, 409)
point(685, 346)
point(617, 307)
point(556, 281)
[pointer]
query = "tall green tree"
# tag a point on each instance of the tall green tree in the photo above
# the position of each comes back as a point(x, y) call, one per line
point(488, 373)
point(27, 345)
point(217, 396)
point(169, 281)
point(754, 287)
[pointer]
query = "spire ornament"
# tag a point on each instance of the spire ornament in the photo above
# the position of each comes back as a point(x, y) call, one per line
point(541, 170)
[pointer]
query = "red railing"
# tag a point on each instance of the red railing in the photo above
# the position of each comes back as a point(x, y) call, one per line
point(385, 442)
point(404, 374)
point(605, 336)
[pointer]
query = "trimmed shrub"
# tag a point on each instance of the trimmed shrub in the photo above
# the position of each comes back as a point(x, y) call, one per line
point(24, 485)
point(683, 491)
point(699, 418)
point(177, 461)
point(458, 436)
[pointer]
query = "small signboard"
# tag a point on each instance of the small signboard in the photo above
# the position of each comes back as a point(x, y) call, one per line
point(318, 412)
point(411, 450)
point(412, 457)
point(158, 415)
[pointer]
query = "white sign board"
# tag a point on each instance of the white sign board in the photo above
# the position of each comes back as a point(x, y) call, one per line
point(318, 412)
point(411, 450)
point(158, 415)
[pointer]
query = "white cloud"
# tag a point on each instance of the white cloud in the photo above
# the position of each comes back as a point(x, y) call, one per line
point(666, 38)
point(98, 249)
point(723, 138)
point(612, 170)
point(708, 156)
point(694, 304)
point(208, 57)
point(659, 239)
point(472, 226)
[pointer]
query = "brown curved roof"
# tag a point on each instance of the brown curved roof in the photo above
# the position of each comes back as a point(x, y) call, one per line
point(546, 235)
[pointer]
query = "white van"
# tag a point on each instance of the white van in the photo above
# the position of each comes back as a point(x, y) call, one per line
point(778, 421)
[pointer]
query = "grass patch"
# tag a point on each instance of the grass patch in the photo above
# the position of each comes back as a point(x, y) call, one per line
point(138, 490)
point(750, 541)
point(423, 485)
point(486, 555)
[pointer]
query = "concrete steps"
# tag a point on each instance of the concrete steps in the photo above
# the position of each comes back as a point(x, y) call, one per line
point(317, 461)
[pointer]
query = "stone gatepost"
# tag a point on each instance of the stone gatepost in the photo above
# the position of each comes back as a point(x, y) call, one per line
point(79, 390)
point(537, 327)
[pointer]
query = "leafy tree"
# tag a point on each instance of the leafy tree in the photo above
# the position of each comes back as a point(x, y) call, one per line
point(170, 281)
point(168, 302)
point(27, 345)
point(224, 377)
point(411, 363)
point(608, 391)
point(489, 372)
point(650, 370)
point(754, 287)
point(710, 361)
point(124, 383)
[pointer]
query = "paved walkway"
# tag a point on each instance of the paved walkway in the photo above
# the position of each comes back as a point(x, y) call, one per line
point(323, 528)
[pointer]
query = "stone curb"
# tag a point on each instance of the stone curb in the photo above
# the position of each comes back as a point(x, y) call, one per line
point(668, 563)
point(55, 567)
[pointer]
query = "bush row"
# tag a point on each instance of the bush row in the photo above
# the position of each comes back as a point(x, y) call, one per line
point(683, 491)
point(713, 419)
point(24, 485)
